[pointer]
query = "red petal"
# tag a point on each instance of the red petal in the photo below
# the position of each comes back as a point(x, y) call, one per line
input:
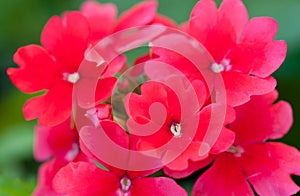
point(101, 18)
point(181, 163)
point(268, 168)
point(221, 38)
point(188, 96)
point(114, 66)
point(105, 88)
point(91, 156)
point(260, 119)
point(52, 108)
point(156, 186)
point(101, 141)
point(239, 87)
point(138, 105)
point(55, 140)
point(213, 118)
point(260, 30)
point(34, 107)
point(262, 59)
point(90, 91)
point(224, 177)
point(258, 48)
point(213, 29)
point(224, 141)
point(37, 69)
point(67, 39)
point(193, 166)
point(202, 18)
point(58, 105)
point(81, 178)
point(42, 149)
point(162, 69)
point(46, 174)
point(236, 12)
point(141, 14)
point(159, 138)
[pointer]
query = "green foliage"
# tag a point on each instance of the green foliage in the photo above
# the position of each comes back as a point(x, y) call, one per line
point(15, 150)
point(12, 186)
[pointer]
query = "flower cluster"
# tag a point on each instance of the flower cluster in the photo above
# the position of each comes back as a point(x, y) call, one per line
point(201, 96)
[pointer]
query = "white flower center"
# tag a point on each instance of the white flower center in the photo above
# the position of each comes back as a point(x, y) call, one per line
point(175, 129)
point(217, 68)
point(236, 150)
point(220, 67)
point(125, 183)
point(72, 78)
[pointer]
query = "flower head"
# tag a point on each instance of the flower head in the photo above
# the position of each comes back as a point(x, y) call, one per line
point(244, 52)
point(83, 178)
point(266, 166)
point(53, 69)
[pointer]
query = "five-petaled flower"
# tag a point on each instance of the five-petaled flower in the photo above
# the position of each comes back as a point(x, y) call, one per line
point(244, 52)
point(182, 116)
point(59, 145)
point(85, 178)
point(251, 161)
point(53, 69)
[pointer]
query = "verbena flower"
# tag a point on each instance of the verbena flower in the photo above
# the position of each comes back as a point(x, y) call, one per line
point(253, 161)
point(244, 52)
point(83, 178)
point(53, 69)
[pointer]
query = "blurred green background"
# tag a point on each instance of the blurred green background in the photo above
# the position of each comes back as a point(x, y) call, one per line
point(21, 23)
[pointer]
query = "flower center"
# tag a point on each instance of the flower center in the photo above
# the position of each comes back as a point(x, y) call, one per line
point(72, 78)
point(220, 67)
point(125, 183)
point(236, 150)
point(71, 154)
point(175, 129)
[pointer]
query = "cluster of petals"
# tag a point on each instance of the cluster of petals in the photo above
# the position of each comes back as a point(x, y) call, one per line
point(228, 140)
point(252, 161)
point(53, 67)
point(83, 178)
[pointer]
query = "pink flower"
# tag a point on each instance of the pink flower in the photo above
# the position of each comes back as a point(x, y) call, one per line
point(83, 178)
point(59, 145)
point(60, 140)
point(47, 172)
point(53, 69)
point(182, 116)
point(103, 17)
point(266, 166)
point(244, 52)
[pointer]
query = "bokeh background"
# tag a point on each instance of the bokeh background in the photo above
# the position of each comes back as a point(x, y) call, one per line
point(21, 23)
